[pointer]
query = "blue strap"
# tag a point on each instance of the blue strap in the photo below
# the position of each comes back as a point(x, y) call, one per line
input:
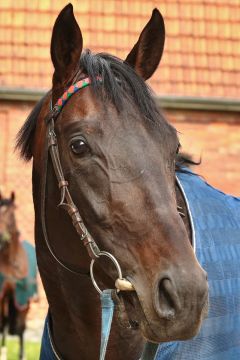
point(107, 315)
point(48, 351)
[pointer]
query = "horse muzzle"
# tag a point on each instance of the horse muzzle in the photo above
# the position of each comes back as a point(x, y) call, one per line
point(173, 307)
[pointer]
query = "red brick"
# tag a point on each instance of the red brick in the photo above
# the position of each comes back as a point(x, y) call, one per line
point(210, 12)
point(196, 31)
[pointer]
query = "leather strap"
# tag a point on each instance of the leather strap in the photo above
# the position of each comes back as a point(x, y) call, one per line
point(66, 199)
point(48, 140)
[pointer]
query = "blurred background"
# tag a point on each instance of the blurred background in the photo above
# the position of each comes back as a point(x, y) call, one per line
point(197, 84)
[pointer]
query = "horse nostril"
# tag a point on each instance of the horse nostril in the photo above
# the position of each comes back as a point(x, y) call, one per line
point(167, 302)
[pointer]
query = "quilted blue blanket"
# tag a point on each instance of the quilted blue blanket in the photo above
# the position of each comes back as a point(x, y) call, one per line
point(215, 219)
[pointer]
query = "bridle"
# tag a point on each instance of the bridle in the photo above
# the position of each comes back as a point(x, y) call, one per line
point(109, 297)
point(66, 201)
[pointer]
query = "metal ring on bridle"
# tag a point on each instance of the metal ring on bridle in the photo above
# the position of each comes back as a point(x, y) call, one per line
point(110, 256)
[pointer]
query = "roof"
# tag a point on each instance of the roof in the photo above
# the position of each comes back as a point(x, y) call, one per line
point(201, 57)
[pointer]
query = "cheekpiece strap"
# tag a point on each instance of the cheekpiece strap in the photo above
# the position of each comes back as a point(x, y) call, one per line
point(66, 200)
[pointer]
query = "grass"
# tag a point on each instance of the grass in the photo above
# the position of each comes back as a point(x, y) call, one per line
point(32, 349)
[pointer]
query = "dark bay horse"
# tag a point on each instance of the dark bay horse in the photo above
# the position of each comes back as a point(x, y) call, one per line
point(15, 276)
point(116, 164)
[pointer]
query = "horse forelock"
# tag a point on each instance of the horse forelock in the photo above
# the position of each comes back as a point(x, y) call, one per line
point(119, 83)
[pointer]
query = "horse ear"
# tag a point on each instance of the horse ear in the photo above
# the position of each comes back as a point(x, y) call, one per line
point(147, 52)
point(66, 45)
point(12, 196)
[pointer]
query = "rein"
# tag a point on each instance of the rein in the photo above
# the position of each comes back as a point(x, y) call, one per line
point(51, 146)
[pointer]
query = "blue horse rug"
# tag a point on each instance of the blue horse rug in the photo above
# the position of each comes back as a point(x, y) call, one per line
point(215, 221)
point(25, 288)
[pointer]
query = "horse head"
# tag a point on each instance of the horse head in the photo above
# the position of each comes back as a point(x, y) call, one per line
point(117, 153)
point(8, 226)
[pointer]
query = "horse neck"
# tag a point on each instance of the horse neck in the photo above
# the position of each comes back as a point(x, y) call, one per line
point(73, 301)
point(76, 311)
point(84, 330)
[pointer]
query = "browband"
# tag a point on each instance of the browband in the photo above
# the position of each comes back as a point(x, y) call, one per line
point(55, 111)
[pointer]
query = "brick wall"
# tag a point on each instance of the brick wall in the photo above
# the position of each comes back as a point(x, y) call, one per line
point(14, 173)
point(215, 138)
point(201, 56)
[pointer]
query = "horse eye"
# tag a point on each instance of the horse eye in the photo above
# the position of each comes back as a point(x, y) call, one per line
point(79, 147)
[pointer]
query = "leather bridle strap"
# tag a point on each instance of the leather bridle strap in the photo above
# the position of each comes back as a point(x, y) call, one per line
point(66, 199)
point(51, 146)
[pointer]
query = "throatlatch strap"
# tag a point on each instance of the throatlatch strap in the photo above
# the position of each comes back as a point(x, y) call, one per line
point(107, 316)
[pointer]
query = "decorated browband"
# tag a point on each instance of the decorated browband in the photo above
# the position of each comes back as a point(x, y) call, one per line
point(54, 112)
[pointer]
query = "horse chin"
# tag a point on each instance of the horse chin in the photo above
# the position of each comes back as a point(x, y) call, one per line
point(165, 333)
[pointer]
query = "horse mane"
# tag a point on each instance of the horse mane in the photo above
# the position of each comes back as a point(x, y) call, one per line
point(120, 80)
point(25, 136)
point(185, 161)
point(119, 83)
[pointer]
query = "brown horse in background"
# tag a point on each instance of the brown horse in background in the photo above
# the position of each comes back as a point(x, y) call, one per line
point(13, 268)
point(118, 158)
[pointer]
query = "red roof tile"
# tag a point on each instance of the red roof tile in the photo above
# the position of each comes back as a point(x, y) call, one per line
point(202, 52)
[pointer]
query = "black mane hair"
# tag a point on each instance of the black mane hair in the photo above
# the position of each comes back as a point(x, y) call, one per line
point(119, 83)
point(184, 161)
point(25, 136)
